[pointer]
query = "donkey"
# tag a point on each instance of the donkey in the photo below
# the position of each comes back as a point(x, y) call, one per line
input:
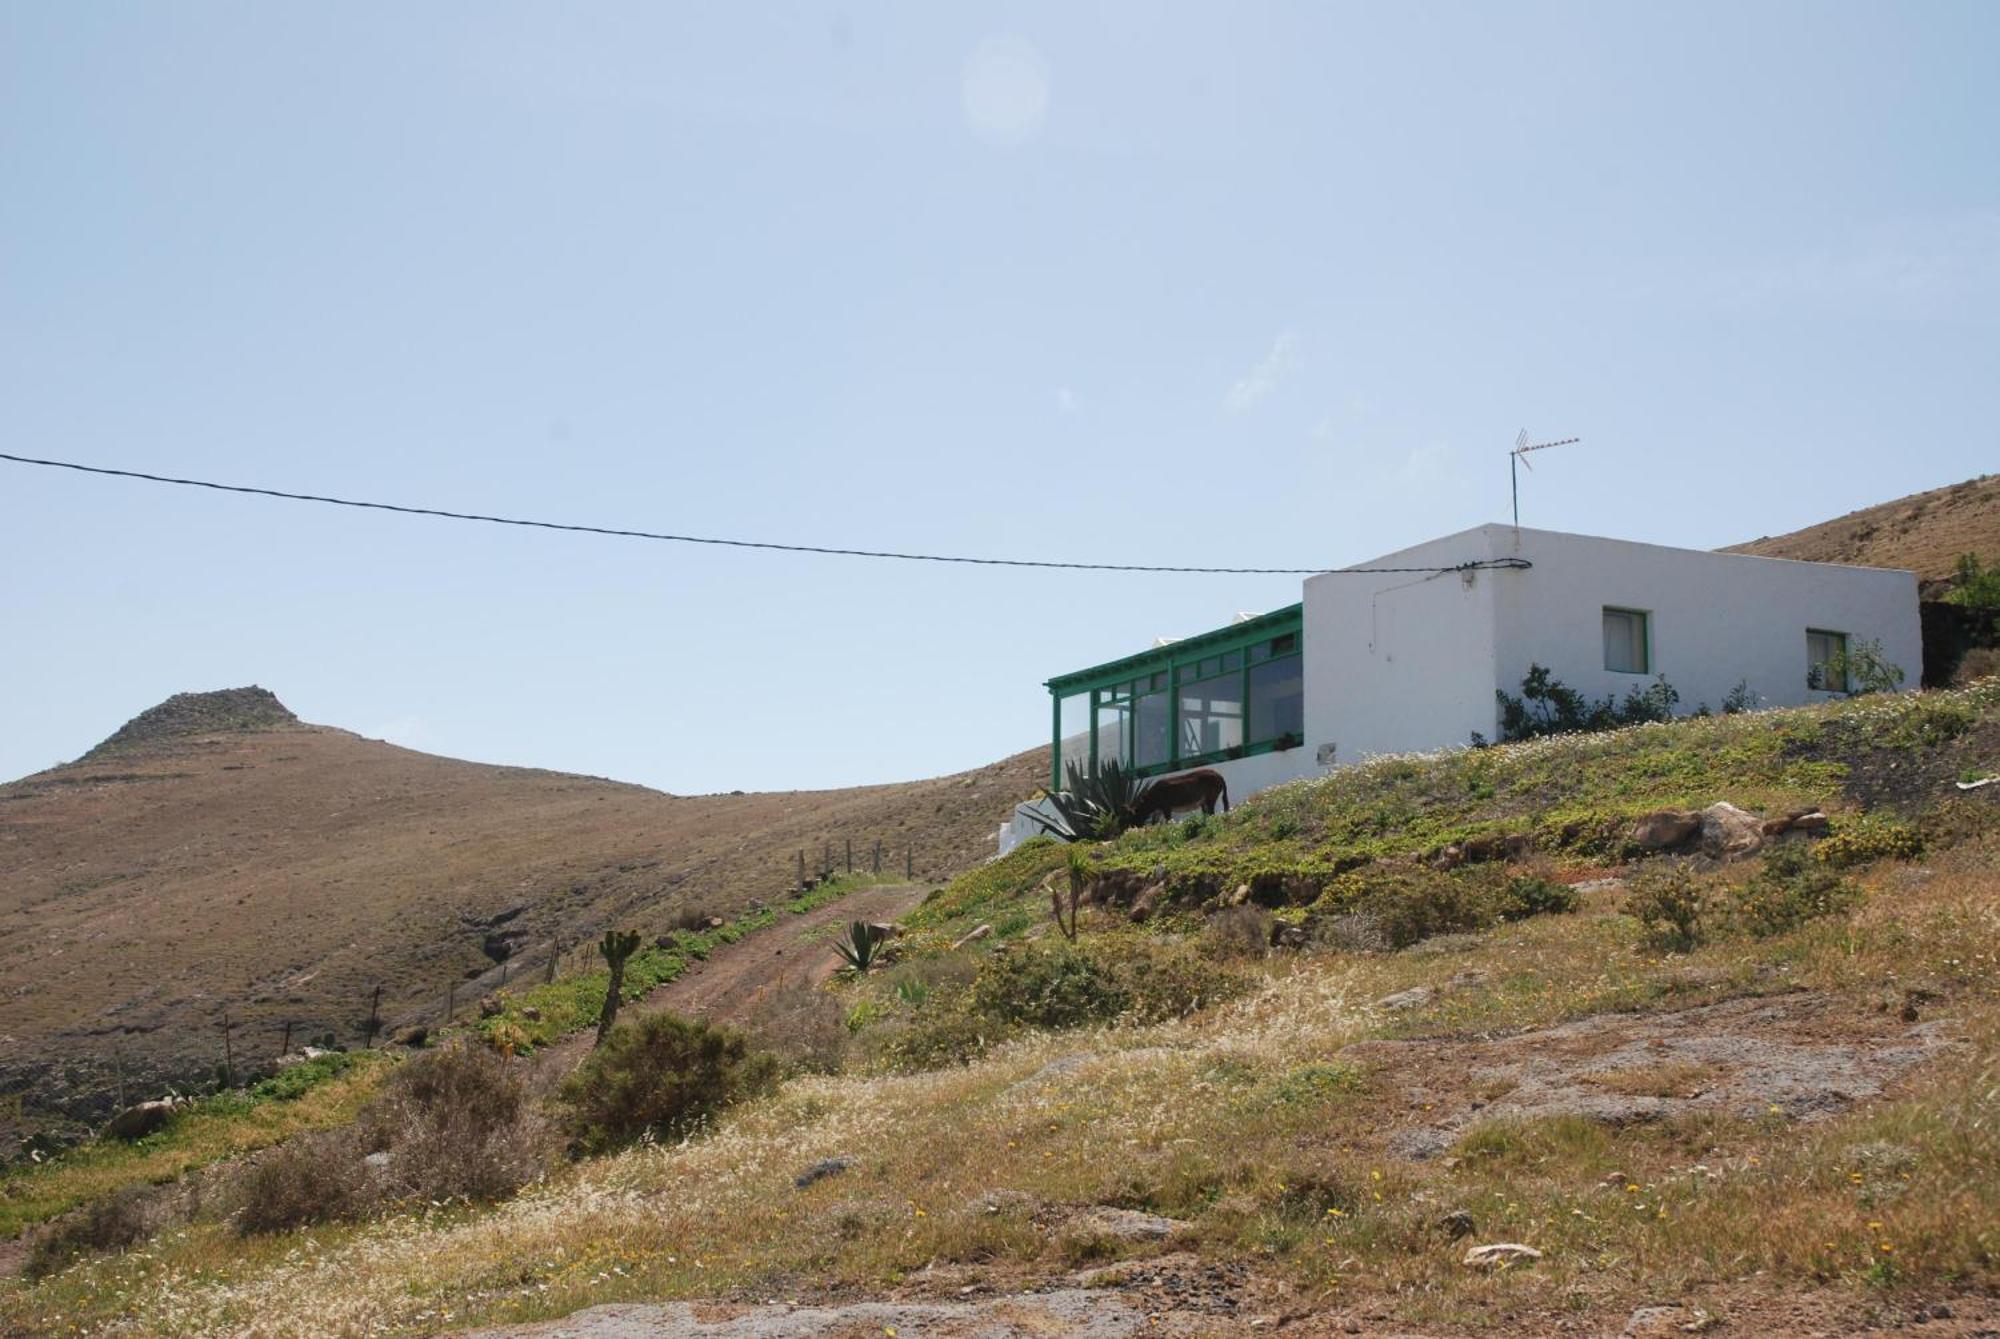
point(1203, 786)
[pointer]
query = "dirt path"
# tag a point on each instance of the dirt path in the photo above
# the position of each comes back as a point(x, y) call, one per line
point(737, 977)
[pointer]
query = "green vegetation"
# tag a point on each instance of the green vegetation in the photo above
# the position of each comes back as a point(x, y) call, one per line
point(661, 1078)
point(1548, 706)
point(616, 948)
point(319, 1093)
point(547, 1013)
point(859, 945)
point(1095, 805)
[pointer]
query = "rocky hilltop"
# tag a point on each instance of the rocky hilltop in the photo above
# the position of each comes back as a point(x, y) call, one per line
point(223, 711)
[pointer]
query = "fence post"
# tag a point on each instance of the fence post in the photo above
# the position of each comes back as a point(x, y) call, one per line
point(450, 1001)
point(825, 859)
point(285, 1046)
point(878, 855)
point(374, 1016)
point(850, 855)
point(802, 867)
point(228, 1056)
point(909, 862)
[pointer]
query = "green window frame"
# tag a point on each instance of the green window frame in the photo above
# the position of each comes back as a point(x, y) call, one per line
point(1152, 744)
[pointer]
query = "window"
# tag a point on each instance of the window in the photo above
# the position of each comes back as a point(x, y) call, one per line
point(1826, 660)
point(1211, 714)
point(1152, 728)
point(1277, 699)
point(1627, 641)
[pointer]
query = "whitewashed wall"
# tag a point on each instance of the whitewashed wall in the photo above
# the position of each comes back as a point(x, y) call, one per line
point(1716, 618)
point(1401, 663)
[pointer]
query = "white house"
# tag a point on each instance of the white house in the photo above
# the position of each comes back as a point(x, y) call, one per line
point(1373, 662)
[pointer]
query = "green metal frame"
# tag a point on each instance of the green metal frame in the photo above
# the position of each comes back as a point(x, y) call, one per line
point(1172, 660)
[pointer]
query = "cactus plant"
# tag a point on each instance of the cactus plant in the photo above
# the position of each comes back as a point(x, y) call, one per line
point(616, 946)
point(859, 945)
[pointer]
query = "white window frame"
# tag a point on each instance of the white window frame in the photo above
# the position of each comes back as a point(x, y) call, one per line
point(1645, 617)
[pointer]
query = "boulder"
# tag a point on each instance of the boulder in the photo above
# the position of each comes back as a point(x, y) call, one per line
point(136, 1122)
point(1458, 1223)
point(1501, 1255)
point(1125, 1224)
point(977, 934)
point(413, 1036)
point(1806, 822)
point(492, 1006)
point(1729, 833)
point(1148, 901)
point(1664, 828)
point(1416, 997)
point(1240, 895)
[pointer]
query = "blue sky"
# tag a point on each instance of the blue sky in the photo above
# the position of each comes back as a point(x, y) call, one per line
point(1237, 285)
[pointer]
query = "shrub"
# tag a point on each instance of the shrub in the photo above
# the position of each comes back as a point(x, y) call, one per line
point(661, 1078)
point(1164, 979)
point(117, 1222)
point(1668, 900)
point(946, 1031)
point(1868, 840)
point(1058, 987)
point(303, 1181)
point(1243, 931)
point(1525, 895)
point(859, 946)
point(1548, 706)
point(457, 1123)
point(1789, 889)
point(1398, 905)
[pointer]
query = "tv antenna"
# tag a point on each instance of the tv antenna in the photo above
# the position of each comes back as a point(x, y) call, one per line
point(1518, 457)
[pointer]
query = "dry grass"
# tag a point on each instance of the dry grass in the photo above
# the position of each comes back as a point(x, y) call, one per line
point(318, 864)
point(1923, 533)
point(1233, 1119)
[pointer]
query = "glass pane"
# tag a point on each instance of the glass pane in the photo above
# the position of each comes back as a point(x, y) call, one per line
point(1073, 732)
point(1277, 699)
point(1152, 730)
point(1624, 641)
point(1111, 731)
point(1211, 714)
point(1232, 660)
point(1285, 645)
point(1822, 649)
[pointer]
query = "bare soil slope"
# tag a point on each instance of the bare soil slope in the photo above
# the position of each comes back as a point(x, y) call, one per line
point(1922, 533)
point(219, 855)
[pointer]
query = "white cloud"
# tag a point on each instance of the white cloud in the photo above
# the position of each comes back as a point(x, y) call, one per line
point(1253, 386)
point(1065, 400)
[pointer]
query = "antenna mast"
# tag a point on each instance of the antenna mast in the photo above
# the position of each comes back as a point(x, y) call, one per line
point(1519, 457)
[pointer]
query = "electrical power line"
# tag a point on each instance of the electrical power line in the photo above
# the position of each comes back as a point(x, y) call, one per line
point(736, 543)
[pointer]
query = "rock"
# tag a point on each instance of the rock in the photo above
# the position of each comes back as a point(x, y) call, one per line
point(1240, 895)
point(491, 1007)
point(1729, 833)
point(1501, 1255)
point(1664, 828)
point(136, 1122)
point(1458, 1223)
point(1147, 901)
point(1659, 1322)
point(714, 923)
point(378, 1162)
point(820, 1170)
point(974, 937)
point(1806, 823)
point(531, 1013)
point(1125, 1224)
point(1288, 936)
point(886, 929)
point(1413, 998)
point(413, 1036)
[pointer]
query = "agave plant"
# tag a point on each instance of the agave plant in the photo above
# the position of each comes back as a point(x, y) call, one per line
point(1094, 806)
point(859, 946)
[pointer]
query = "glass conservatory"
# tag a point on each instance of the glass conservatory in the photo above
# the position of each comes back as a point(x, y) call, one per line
point(1229, 693)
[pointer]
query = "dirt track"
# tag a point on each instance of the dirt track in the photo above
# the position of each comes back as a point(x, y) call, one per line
point(736, 978)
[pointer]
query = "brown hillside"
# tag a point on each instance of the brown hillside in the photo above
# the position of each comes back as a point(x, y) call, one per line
point(1922, 533)
point(217, 854)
